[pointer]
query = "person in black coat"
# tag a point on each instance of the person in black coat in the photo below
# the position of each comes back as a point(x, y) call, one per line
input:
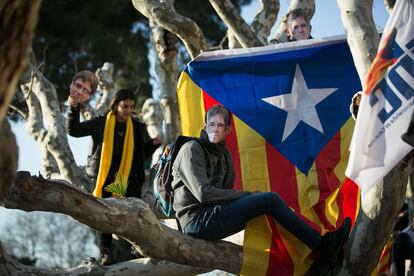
point(120, 144)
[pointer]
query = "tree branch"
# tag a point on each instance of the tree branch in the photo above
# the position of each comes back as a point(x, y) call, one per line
point(236, 24)
point(43, 106)
point(186, 29)
point(130, 218)
point(265, 19)
point(147, 266)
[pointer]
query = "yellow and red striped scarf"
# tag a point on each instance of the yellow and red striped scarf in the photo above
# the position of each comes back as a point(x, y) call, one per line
point(106, 154)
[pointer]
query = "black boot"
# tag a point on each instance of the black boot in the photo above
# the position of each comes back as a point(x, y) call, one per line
point(408, 137)
point(331, 250)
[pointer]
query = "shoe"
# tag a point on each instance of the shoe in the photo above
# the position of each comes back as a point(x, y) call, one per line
point(106, 256)
point(331, 250)
point(408, 137)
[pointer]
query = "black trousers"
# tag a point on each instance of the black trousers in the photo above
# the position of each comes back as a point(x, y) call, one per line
point(403, 249)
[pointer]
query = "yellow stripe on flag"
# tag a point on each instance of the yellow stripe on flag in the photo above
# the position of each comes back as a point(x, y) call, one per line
point(190, 105)
point(297, 250)
point(346, 135)
point(257, 236)
point(253, 160)
point(308, 193)
point(332, 209)
point(255, 176)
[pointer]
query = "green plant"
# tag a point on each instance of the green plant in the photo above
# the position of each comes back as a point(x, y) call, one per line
point(119, 186)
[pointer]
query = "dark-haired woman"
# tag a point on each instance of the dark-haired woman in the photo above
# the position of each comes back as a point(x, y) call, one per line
point(120, 143)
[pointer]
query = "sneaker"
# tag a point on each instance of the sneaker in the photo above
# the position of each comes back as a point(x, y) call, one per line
point(331, 250)
point(105, 256)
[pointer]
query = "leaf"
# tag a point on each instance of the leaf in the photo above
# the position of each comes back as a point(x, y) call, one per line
point(119, 186)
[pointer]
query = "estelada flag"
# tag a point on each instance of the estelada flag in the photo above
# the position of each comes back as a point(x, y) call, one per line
point(387, 102)
point(291, 130)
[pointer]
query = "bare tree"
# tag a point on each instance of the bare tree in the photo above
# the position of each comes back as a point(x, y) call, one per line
point(51, 240)
point(133, 219)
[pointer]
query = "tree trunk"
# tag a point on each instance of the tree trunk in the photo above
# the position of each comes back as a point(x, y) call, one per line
point(381, 204)
point(165, 45)
point(18, 20)
point(375, 222)
point(362, 35)
point(8, 160)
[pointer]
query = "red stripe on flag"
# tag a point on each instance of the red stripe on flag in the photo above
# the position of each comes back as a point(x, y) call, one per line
point(280, 263)
point(282, 176)
point(231, 142)
point(328, 182)
point(282, 179)
point(349, 205)
point(385, 260)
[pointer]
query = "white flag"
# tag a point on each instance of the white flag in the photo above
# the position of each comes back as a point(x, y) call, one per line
point(387, 102)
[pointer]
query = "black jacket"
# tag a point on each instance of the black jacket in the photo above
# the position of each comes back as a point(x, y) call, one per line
point(143, 148)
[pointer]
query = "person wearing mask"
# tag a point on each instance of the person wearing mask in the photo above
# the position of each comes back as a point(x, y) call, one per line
point(207, 207)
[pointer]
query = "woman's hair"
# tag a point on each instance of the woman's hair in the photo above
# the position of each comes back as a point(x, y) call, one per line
point(87, 76)
point(218, 109)
point(121, 95)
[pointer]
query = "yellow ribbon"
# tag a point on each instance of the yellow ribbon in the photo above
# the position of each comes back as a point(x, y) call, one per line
point(106, 154)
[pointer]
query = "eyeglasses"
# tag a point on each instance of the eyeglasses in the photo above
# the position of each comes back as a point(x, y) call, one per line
point(213, 126)
point(82, 88)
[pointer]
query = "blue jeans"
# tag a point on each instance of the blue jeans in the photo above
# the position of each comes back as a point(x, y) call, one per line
point(215, 222)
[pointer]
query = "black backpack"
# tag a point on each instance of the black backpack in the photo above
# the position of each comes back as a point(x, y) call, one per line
point(163, 191)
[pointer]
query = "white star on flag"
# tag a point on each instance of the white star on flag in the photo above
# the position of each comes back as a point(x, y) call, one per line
point(300, 104)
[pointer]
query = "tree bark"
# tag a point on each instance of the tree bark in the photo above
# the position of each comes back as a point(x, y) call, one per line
point(43, 106)
point(18, 20)
point(380, 205)
point(236, 24)
point(8, 160)
point(186, 29)
point(375, 222)
point(105, 76)
point(362, 35)
point(265, 19)
point(129, 218)
point(147, 266)
point(261, 25)
point(167, 73)
point(389, 5)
